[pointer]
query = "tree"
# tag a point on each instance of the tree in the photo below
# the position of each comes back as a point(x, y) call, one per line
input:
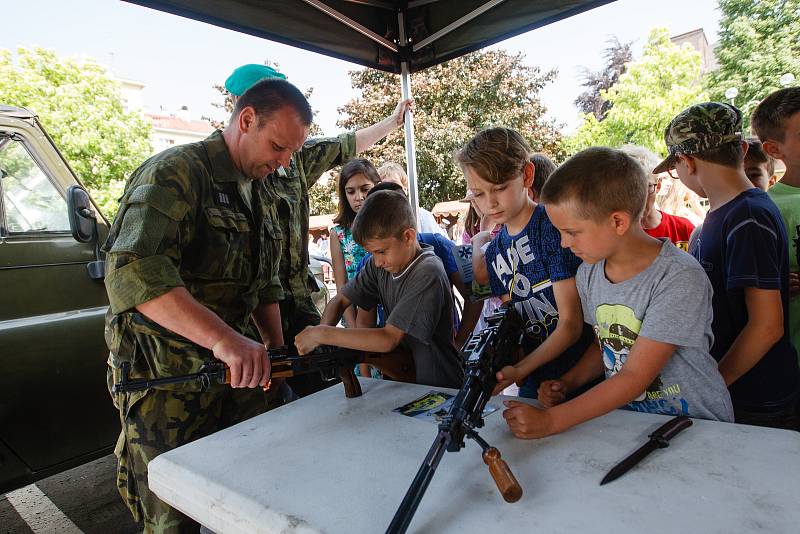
point(81, 107)
point(758, 44)
point(322, 195)
point(617, 55)
point(665, 80)
point(453, 101)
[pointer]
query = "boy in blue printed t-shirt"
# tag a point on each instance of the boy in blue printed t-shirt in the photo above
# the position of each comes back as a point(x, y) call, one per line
point(744, 251)
point(526, 264)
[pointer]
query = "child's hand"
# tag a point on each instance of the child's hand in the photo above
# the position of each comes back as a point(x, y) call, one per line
point(505, 377)
point(526, 421)
point(306, 341)
point(794, 284)
point(552, 392)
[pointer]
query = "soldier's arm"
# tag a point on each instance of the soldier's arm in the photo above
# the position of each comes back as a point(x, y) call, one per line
point(178, 311)
point(320, 155)
point(366, 137)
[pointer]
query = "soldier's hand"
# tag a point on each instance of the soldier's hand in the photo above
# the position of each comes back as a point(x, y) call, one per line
point(248, 360)
point(306, 341)
point(399, 113)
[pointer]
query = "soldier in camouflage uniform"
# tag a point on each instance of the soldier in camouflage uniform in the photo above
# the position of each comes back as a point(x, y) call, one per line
point(192, 258)
point(290, 186)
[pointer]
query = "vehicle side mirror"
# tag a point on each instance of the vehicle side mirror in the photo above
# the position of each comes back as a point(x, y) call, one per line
point(82, 220)
point(83, 224)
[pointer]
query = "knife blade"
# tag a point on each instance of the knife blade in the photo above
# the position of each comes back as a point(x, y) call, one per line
point(658, 440)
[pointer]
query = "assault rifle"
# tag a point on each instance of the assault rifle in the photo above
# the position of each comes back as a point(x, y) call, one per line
point(285, 363)
point(485, 353)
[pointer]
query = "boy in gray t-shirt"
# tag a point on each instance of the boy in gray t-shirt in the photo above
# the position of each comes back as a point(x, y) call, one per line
point(649, 304)
point(409, 281)
point(668, 302)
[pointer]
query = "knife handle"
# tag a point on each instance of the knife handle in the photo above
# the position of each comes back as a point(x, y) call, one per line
point(502, 475)
point(668, 430)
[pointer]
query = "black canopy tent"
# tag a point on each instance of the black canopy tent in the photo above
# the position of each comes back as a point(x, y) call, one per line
point(389, 35)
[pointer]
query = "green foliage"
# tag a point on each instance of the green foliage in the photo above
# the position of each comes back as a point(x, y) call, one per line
point(322, 196)
point(647, 96)
point(453, 101)
point(81, 108)
point(759, 41)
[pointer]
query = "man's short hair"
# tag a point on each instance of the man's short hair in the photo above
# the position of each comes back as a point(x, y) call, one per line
point(383, 214)
point(543, 167)
point(598, 181)
point(769, 118)
point(756, 155)
point(393, 170)
point(495, 154)
point(272, 94)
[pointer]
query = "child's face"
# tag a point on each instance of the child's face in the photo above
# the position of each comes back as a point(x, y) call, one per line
point(590, 240)
point(500, 202)
point(393, 254)
point(356, 190)
point(758, 174)
point(686, 171)
point(789, 149)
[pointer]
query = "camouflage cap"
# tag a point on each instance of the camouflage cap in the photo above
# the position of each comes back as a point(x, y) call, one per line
point(698, 128)
point(246, 76)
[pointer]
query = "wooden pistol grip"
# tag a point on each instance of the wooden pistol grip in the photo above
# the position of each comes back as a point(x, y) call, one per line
point(502, 475)
point(352, 387)
point(397, 365)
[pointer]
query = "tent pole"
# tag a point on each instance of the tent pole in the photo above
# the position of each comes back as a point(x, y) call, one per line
point(411, 153)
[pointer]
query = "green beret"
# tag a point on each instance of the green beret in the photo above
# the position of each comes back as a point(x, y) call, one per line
point(246, 76)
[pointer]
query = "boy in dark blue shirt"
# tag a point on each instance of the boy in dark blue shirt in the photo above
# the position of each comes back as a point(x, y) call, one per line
point(743, 249)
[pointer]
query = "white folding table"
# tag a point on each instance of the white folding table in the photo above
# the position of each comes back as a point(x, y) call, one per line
point(330, 464)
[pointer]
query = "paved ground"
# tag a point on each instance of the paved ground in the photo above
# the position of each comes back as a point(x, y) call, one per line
point(81, 500)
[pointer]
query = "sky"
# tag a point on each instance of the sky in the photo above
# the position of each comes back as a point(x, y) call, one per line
point(180, 60)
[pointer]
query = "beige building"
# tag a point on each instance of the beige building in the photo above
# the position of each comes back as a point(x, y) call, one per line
point(697, 39)
point(168, 129)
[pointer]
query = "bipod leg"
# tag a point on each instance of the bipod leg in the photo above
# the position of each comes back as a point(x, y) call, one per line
point(402, 518)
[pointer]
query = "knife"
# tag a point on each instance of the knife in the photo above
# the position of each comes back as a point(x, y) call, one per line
point(658, 440)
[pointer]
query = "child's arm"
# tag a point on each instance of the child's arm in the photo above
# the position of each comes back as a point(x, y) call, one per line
point(568, 330)
point(340, 275)
point(480, 271)
point(366, 319)
point(470, 314)
point(588, 368)
point(384, 339)
point(763, 329)
point(645, 361)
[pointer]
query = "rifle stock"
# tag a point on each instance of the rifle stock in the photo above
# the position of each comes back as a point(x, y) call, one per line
point(285, 363)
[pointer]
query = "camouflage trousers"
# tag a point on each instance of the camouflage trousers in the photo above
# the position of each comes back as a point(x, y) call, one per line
point(296, 315)
point(162, 420)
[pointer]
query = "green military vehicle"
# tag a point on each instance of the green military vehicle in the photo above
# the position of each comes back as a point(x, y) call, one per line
point(55, 412)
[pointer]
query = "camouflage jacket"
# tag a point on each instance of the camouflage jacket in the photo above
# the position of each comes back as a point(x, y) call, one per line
point(290, 187)
point(183, 223)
